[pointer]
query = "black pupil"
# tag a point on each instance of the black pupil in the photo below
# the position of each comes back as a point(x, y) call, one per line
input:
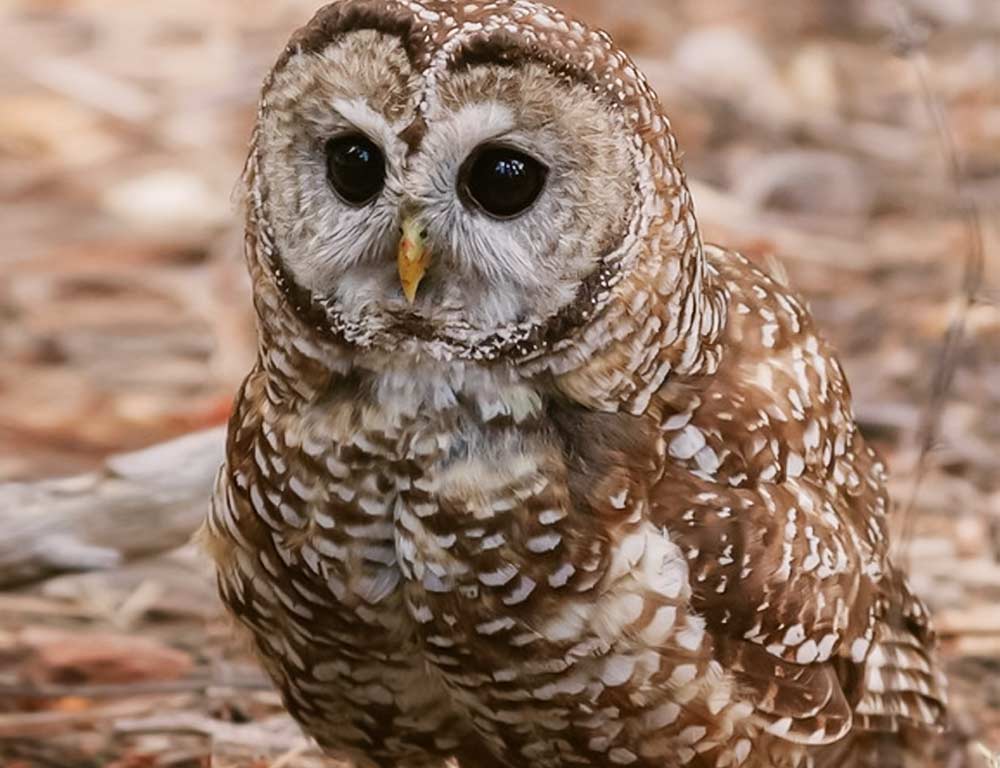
point(355, 167)
point(504, 182)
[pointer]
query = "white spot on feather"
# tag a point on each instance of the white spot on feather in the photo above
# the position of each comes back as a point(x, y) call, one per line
point(807, 652)
point(780, 727)
point(622, 756)
point(691, 637)
point(560, 577)
point(618, 670)
point(795, 465)
point(742, 751)
point(659, 628)
point(664, 715)
point(687, 444)
point(795, 635)
point(545, 543)
point(501, 576)
point(521, 592)
point(683, 674)
point(497, 625)
point(692, 734)
point(859, 650)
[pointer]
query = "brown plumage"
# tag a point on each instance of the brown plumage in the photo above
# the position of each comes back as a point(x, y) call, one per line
point(596, 497)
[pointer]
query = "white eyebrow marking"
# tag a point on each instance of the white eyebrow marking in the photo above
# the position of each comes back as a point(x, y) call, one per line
point(473, 124)
point(359, 113)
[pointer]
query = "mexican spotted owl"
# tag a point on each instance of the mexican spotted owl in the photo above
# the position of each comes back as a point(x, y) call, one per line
point(525, 473)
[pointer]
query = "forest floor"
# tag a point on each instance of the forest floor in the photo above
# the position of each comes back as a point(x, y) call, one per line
point(852, 145)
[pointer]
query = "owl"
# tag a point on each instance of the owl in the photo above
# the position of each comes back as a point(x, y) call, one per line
point(525, 473)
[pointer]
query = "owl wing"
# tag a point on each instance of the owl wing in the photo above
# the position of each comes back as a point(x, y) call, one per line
point(784, 521)
point(805, 611)
point(903, 687)
point(789, 593)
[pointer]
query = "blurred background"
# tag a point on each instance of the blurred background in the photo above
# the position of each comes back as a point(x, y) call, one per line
point(851, 145)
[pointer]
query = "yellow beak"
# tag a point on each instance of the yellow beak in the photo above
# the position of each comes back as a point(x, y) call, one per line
point(413, 257)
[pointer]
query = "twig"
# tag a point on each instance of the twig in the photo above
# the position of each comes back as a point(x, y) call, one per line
point(974, 267)
point(26, 723)
point(30, 605)
point(273, 733)
point(992, 758)
point(138, 504)
point(128, 690)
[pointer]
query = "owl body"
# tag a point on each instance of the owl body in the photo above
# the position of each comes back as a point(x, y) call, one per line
point(584, 497)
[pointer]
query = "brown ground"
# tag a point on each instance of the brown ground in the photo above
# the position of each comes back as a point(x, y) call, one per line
point(820, 136)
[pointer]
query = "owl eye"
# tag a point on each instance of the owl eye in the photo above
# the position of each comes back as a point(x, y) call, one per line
point(502, 181)
point(355, 168)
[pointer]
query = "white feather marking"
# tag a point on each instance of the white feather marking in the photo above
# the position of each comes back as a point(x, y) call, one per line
point(657, 631)
point(560, 577)
point(521, 592)
point(664, 715)
point(496, 626)
point(683, 674)
point(500, 577)
point(618, 670)
point(622, 756)
point(807, 653)
point(692, 734)
point(795, 635)
point(780, 727)
point(551, 516)
point(690, 638)
point(795, 465)
point(687, 444)
point(545, 543)
point(859, 650)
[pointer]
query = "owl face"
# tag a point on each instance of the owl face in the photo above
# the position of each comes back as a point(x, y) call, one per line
point(433, 180)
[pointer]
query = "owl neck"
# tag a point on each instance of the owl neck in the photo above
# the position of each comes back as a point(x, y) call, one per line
point(665, 325)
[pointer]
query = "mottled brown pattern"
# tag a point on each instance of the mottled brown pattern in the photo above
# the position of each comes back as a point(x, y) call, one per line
point(641, 531)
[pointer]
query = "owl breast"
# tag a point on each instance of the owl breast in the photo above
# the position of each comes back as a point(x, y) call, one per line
point(555, 615)
point(405, 553)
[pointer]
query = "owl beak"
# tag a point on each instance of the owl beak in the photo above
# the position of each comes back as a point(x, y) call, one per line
point(414, 257)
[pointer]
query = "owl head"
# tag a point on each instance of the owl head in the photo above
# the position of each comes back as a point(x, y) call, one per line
point(470, 180)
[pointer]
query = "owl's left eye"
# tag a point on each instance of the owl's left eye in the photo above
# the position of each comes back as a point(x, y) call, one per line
point(502, 181)
point(355, 168)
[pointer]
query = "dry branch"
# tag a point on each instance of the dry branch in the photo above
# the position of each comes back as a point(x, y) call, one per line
point(276, 733)
point(138, 504)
